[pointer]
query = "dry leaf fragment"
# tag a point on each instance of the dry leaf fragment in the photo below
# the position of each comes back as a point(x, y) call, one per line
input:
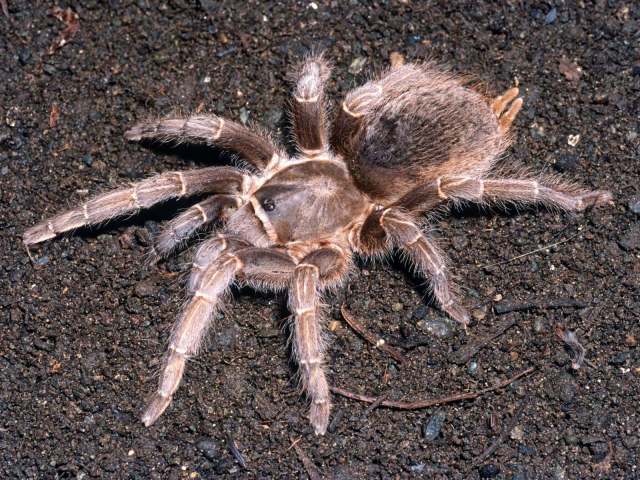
point(570, 70)
point(54, 115)
point(72, 25)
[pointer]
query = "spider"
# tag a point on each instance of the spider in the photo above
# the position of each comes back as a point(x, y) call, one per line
point(408, 141)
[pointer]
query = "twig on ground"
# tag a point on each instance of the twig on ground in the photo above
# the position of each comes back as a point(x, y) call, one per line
point(372, 407)
point(506, 307)
point(293, 443)
point(505, 431)
point(233, 448)
point(5, 8)
point(370, 337)
point(309, 466)
point(546, 247)
point(576, 348)
point(419, 404)
point(469, 351)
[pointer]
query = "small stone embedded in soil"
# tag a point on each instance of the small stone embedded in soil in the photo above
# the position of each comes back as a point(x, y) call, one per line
point(599, 451)
point(244, 115)
point(538, 325)
point(566, 162)
point(209, 449)
point(634, 205)
point(473, 367)
point(619, 359)
point(551, 16)
point(438, 328)
point(561, 387)
point(420, 312)
point(357, 65)
point(431, 429)
point(43, 345)
point(42, 260)
point(134, 305)
point(517, 433)
point(478, 313)
point(631, 239)
point(145, 288)
point(488, 471)
point(526, 450)
point(396, 307)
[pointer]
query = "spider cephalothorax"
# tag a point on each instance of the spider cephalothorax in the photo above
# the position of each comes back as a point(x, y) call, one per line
point(400, 145)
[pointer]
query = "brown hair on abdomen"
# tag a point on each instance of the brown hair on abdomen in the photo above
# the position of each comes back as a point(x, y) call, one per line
point(424, 124)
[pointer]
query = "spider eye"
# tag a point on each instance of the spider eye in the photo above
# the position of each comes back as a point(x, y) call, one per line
point(268, 204)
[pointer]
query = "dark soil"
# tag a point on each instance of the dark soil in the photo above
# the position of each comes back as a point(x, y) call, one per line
point(84, 326)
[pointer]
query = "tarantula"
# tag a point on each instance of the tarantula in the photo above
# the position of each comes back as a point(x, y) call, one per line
point(400, 145)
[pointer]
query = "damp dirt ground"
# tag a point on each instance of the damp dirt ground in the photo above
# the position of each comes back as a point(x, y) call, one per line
point(83, 326)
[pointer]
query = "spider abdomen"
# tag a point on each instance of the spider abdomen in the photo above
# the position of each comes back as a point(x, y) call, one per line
point(422, 123)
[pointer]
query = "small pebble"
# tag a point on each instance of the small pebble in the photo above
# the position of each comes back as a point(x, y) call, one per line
point(431, 429)
point(24, 55)
point(551, 16)
point(208, 448)
point(357, 65)
point(473, 367)
point(42, 260)
point(566, 162)
point(630, 341)
point(396, 307)
point(244, 115)
point(634, 205)
point(498, 297)
point(525, 450)
point(420, 312)
point(599, 450)
point(438, 328)
point(478, 313)
point(573, 140)
point(488, 471)
point(49, 69)
point(145, 288)
point(417, 468)
point(570, 439)
point(538, 325)
point(619, 359)
point(517, 433)
point(87, 160)
point(631, 239)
